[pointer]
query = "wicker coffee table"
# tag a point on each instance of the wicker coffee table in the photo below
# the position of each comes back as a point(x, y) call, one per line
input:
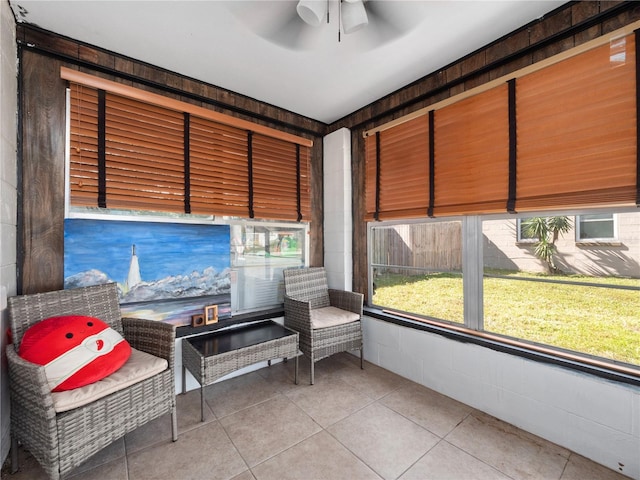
point(213, 355)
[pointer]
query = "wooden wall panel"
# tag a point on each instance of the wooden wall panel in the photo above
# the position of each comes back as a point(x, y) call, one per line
point(41, 211)
point(316, 234)
point(358, 172)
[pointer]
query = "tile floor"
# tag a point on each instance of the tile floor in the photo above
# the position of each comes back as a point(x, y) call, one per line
point(352, 424)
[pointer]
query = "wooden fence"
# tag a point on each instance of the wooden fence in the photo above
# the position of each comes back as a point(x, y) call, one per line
point(422, 247)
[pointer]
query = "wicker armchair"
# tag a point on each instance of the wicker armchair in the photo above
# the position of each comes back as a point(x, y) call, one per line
point(60, 441)
point(328, 320)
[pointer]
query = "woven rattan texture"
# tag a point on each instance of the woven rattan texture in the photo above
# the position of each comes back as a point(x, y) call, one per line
point(308, 284)
point(98, 301)
point(207, 370)
point(303, 288)
point(61, 442)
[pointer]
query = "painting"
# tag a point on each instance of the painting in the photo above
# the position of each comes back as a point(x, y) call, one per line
point(164, 271)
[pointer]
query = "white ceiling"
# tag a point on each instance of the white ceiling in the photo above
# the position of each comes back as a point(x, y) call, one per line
point(263, 50)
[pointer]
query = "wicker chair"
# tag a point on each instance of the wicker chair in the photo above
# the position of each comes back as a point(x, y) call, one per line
point(328, 320)
point(60, 441)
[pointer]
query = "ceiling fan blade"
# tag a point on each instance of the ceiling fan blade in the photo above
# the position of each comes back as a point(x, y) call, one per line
point(391, 20)
point(277, 22)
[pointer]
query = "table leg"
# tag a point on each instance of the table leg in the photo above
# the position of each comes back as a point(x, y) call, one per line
point(201, 403)
point(184, 379)
point(296, 374)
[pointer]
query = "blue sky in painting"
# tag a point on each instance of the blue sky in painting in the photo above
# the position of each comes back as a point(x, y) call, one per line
point(163, 249)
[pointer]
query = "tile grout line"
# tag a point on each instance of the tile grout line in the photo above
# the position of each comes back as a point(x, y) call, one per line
point(277, 453)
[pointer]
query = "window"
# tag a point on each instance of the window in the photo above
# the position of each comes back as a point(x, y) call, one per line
point(493, 150)
point(574, 299)
point(598, 227)
point(417, 268)
point(525, 234)
point(139, 155)
point(579, 301)
point(259, 253)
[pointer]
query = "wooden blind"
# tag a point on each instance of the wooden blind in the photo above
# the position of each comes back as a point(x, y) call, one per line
point(83, 168)
point(130, 154)
point(219, 175)
point(577, 130)
point(403, 171)
point(563, 135)
point(278, 191)
point(472, 154)
point(144, 156)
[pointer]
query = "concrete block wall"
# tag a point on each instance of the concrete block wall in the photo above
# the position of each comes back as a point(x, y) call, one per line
point(594, 417)
point(337, 209)
point(8, 196)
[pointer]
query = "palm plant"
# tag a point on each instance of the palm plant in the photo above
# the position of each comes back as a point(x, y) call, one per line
point(546, 230)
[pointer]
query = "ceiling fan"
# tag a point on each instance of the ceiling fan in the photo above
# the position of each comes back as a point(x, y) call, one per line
point(310, 24)
point(352, 14)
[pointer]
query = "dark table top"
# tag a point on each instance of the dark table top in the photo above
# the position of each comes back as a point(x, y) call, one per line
point(216, 343)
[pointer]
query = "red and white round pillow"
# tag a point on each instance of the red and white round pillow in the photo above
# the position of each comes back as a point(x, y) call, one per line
point(75, 350)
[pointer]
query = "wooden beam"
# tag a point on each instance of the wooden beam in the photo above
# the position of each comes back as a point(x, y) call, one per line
point(621, 32)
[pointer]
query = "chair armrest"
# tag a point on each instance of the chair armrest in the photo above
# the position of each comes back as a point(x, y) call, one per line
point(33, 418)
point(345, 300)
point(151, 336)
point(297, 314)
point(30, 391)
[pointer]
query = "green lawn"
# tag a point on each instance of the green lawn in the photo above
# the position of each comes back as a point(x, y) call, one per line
point(600, 321)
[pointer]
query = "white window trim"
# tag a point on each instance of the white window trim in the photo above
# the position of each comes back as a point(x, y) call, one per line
point(596, 240)
point(519, 238)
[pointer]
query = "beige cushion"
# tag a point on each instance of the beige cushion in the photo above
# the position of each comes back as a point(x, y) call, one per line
point(331, 316)
point(140, 366)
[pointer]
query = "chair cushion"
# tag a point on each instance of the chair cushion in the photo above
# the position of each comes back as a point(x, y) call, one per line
point(140, 366)
point(331, 316)
point(75, 350)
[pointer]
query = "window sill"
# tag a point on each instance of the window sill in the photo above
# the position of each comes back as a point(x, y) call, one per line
point(596, 243)
point(623, 373)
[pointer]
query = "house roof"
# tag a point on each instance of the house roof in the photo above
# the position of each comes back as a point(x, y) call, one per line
point(263, 50)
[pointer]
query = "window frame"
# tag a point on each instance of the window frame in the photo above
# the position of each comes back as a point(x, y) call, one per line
point(519, 237)
point(145, 216)
point(531, 190)
point(371, 266)
point(578, 228)
point(244, 223)
point(473, 328)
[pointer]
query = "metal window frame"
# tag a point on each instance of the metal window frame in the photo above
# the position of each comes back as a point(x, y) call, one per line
point(578, 228)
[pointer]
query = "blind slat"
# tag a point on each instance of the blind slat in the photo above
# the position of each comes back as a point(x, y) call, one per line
point(576, 131)
point(404, 171)
point(472, 154)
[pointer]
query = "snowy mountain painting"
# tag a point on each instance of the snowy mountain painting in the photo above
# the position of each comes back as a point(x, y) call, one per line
point(164, 271)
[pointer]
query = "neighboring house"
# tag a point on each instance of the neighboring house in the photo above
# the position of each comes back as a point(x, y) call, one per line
point(599, 245)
